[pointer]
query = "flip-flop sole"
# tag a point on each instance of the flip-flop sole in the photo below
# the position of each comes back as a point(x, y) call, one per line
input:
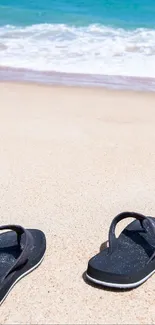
point(120, 285)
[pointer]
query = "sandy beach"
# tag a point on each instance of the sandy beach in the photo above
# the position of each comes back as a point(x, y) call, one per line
point(70, 160)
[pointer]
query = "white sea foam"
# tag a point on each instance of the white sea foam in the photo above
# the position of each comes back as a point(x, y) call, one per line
point(95, 49)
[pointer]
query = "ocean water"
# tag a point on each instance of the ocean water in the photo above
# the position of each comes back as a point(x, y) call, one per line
point(96, 37)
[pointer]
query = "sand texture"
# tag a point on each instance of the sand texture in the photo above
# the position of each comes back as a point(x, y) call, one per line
point(70, 160)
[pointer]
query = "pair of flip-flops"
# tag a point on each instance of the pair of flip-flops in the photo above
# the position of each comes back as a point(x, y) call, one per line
point(126, 263)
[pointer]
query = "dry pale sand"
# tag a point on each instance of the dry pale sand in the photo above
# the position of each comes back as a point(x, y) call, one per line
point(70, 160)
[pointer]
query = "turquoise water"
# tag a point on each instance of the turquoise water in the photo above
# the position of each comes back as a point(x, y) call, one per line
point(120, 13)
point(111, 37)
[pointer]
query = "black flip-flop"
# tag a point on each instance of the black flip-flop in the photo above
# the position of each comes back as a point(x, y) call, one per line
point(21, 251)
point(130, 259)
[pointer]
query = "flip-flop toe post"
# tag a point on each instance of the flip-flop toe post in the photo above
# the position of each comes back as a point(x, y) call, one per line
point(21, 251)
point(130, 259)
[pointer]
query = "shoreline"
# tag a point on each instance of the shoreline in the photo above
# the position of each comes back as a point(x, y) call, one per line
point(103, 91)
point(52, 78)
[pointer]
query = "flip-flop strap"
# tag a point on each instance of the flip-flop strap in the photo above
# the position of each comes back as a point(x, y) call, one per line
point(25, 249)
point(153, 227)
point(121, 216)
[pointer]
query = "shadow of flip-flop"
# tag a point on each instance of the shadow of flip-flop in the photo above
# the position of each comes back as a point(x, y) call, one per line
point(104, 245)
